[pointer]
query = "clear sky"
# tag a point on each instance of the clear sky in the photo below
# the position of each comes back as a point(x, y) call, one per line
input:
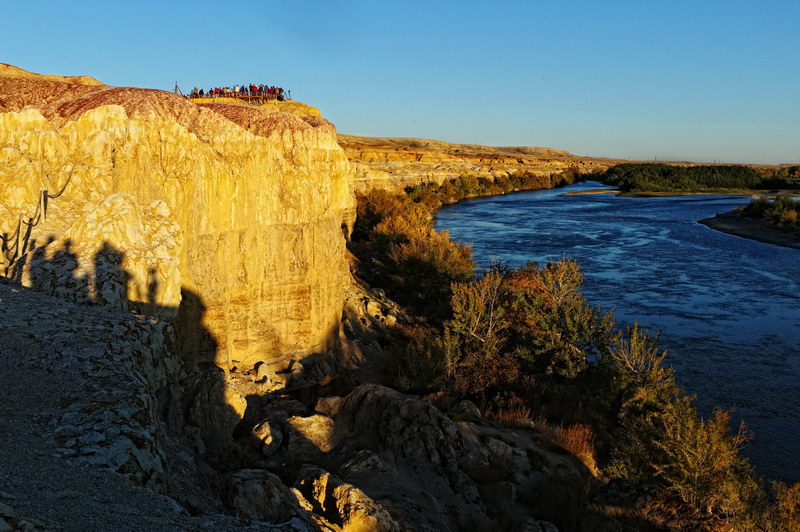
point(678, 80)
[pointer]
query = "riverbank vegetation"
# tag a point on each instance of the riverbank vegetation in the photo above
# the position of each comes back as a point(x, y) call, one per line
point(415, 264)
point(783, 211)
point(525, 345)
point(651, 177)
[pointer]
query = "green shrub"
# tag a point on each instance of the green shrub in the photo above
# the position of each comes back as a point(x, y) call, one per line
point(420, 272)
point(555, 329)
point(476, 354)
point(638, 379)
point(699, 458)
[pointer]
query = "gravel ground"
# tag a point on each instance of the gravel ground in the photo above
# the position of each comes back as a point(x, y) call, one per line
point(43, 343)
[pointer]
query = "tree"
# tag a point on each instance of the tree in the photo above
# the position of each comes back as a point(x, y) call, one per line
point(700, 461)
point(475, 337)
point(553, 324)
point(638, 376)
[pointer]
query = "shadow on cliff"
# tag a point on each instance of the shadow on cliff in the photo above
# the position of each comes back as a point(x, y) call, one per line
point(213, 423)
point(194, 409)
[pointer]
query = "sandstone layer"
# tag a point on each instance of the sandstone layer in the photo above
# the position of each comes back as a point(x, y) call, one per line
point(227, 217)
point(396, 163)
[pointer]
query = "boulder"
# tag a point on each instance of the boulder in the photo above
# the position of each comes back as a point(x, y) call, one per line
point(413, 459)
point(366, 464)
point(329, 406)
point(467, 409)
point(343, 504)
point(283, 408)
point(268, 436)
point(411, 428)
point(260, 495)
point(310, 437)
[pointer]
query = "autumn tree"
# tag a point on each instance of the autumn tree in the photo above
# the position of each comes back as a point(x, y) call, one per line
point(554, 326)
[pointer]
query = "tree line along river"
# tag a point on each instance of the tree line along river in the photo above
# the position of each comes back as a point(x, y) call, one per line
point(728, 307)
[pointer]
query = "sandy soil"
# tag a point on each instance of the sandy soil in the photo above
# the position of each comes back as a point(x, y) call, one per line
point(754, 229)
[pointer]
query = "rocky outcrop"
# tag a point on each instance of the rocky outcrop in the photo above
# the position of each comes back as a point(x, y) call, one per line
point(432, 473)
point(226, 216)
point(260, 495)
point(215, 409)
point(94, 393)
point(310, 437)
point(427, 449)
point(396, 163)
point(345, 506)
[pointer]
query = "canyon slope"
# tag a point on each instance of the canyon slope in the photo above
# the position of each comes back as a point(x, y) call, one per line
point(397, 163)
point(226, 215)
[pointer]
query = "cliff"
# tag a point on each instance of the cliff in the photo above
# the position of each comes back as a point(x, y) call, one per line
point(223, 215)
point(222, 226)
point(396, 163)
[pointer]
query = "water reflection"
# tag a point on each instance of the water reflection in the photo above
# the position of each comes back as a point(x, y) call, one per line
point(729, 308)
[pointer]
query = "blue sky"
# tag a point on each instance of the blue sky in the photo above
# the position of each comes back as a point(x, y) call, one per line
point(679, 80)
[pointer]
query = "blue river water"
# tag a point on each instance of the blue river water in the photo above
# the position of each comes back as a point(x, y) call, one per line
point(728, 307)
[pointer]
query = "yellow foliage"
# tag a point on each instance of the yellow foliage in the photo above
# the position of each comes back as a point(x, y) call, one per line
point(700, 456)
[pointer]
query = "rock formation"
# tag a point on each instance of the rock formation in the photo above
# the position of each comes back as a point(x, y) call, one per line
point(396, 163)
point(226, 215)
point(98, 399)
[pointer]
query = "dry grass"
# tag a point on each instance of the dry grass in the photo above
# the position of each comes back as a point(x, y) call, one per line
point(577, 440)
point(509, 411)
point(512, 417)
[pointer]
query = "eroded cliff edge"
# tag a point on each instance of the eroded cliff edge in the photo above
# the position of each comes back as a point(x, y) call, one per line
point(396, 163)
point(229, 216)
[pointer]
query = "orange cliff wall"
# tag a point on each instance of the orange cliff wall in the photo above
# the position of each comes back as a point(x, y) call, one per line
point(227, 214)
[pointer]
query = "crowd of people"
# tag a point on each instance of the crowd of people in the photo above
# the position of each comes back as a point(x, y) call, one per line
point(251, 90)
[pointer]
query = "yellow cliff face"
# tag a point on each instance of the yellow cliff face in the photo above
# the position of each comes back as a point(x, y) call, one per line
point(397, 163)
point(229, 217)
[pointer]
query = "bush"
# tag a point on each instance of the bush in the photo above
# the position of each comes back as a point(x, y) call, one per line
point(700, 460)
point(783, 211)
point(476, 354)
point(421, 365)
point(413, 262)
point(555, 329)
point(785, 514)
point(509, 410)
point(695, 458)
point(374, 207)
point(638, 378)
point(421, 271)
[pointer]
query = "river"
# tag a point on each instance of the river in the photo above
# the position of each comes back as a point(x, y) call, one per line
point(728, 307)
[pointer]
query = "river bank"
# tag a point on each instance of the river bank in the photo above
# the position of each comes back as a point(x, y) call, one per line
point(734, 223)
point(718, 300)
